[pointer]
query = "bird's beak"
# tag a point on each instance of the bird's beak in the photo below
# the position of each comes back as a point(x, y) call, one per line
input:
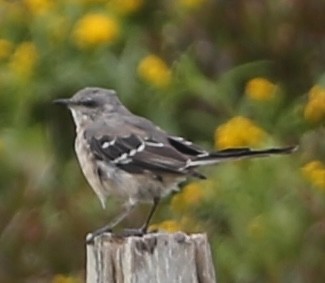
point(63, 101)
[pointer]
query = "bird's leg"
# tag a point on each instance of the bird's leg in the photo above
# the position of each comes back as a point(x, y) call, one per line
point(128, 207)
point(145, 226)
point(143, 229)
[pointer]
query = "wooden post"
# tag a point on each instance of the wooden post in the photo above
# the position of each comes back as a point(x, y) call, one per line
point(153, 258)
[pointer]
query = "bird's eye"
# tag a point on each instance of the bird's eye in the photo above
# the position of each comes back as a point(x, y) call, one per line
point(89, 103)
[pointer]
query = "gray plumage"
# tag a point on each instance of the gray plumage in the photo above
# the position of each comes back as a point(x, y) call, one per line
point(128, 157)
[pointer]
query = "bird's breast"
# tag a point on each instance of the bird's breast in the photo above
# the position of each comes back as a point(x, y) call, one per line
point(89, 168)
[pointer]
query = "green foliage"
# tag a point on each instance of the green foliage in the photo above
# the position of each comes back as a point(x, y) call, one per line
point(221, 73)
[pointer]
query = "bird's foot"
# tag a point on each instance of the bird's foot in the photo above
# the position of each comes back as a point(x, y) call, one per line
point(129, 232)
point(137, 232)
point(90, 238)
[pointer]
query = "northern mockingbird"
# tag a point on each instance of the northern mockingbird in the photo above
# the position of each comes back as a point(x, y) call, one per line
point(129, 157)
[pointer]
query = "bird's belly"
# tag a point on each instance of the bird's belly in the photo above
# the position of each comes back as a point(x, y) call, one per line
point(150, 188)
point(107, 179)
point(88, 166)
point(136, 187)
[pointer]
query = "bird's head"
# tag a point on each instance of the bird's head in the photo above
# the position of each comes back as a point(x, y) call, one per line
point(90, 103)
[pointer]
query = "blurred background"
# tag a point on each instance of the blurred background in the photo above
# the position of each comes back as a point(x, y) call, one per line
point(221, 73)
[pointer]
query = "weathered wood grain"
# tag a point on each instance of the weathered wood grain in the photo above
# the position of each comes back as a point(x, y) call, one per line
point(156, 257)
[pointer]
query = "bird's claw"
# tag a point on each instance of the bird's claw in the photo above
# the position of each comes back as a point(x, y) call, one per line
point(90, 238)
point(129, 232)
point(133, 232)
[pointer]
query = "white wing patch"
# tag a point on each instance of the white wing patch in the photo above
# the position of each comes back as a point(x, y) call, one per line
point(203, 154)
point(141, 147)
point(180, 139)
point(153, 143)
point(125, 157)
point(108, 144)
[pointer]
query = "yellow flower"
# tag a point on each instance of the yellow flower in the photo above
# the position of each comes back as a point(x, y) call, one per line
point(89, 2)
point(190, 4)
point(5, 48)
point(315, 108)
point(154, 70)
point(24, 59)
point(237, 132)
point(261, 89)
point(167, 226)
point(126, 7)
point(95, 29)
point(315, 91)
point(188, 197)
point(38, 7)
point(65, 279)
point(314, 172)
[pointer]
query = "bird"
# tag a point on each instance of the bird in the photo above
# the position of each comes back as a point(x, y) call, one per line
point(128, 157)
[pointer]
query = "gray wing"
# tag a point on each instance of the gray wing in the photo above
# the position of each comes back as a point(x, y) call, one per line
point(138, 146)
point(135, 155)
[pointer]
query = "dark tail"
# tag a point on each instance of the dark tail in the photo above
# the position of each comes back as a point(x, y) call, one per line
point(238, 153)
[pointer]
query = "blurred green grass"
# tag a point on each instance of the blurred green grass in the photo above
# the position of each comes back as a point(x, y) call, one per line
point(221, 73)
